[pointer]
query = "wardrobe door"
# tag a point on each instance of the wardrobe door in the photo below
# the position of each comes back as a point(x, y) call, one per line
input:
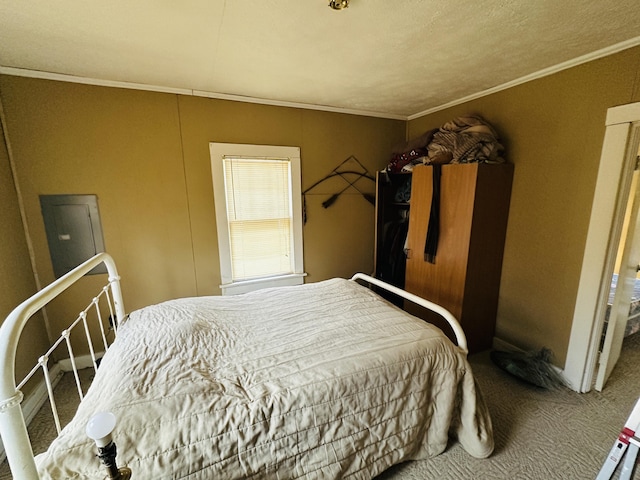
point(465, 275)
point(442, 281)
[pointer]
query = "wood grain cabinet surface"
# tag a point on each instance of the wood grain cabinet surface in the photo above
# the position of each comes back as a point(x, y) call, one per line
point(465, 276)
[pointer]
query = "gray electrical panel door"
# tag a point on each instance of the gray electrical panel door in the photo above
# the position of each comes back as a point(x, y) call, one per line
point(74, 232)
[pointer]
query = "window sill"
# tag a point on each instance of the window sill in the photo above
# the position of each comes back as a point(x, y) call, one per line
point(246, 286)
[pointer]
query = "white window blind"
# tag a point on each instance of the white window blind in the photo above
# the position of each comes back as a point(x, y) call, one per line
point(259, 212)
point(258, 200)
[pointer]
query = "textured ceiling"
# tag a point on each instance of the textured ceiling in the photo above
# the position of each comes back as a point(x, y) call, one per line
point(394, 58)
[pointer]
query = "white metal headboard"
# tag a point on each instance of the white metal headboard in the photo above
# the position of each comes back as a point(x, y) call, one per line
point(12, 424)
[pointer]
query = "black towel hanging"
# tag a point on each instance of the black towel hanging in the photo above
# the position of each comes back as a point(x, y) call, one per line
point(433, 229)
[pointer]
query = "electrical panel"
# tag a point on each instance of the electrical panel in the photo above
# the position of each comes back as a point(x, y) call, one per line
point(74, 232)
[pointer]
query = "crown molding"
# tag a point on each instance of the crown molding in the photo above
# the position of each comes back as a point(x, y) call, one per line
point(60, 77)
point(604, 52)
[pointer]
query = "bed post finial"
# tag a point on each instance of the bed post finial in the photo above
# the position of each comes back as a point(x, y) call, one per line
point(99, 429)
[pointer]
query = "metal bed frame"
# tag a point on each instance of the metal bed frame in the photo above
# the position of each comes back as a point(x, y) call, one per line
point(12, 423)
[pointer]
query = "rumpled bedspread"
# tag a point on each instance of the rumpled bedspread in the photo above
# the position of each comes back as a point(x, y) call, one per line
point(324, 380)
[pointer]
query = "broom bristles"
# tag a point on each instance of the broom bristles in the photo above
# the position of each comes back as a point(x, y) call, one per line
point(534, 367)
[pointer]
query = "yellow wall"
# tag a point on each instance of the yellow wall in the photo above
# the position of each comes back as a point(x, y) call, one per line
point(16, 277)
point(552, 130)
point(146, 156)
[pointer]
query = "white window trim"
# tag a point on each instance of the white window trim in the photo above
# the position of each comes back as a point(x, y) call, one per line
point(218, 151)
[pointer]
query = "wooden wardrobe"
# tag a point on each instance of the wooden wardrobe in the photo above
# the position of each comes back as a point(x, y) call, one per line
point(465, 275)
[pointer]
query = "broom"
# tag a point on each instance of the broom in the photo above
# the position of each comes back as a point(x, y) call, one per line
point(533, 367)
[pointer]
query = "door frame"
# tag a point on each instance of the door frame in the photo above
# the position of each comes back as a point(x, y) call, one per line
point(613, 184)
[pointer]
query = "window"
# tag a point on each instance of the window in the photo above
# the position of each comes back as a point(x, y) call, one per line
point(258, 215)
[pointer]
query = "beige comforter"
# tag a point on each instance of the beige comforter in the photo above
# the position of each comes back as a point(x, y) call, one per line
point(324, 380)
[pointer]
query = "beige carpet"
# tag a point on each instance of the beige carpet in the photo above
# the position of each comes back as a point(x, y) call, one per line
point(538, 434)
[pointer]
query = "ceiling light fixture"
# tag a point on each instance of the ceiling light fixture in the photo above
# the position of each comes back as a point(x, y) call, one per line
point(339, 4)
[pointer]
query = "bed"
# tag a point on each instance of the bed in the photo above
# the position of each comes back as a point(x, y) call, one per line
point(323, 380)
point(633, 320)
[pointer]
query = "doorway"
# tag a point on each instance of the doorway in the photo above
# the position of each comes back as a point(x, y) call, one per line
point(613, 186)
point(622, 312)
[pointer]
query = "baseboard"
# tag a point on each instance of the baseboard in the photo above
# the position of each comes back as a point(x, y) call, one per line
point(83, 361)
point(499, 344)
point(34, 401)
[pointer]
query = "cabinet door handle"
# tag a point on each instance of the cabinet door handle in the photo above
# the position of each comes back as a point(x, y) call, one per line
point(407, 252)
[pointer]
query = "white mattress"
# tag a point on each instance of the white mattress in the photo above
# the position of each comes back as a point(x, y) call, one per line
point(324, 380)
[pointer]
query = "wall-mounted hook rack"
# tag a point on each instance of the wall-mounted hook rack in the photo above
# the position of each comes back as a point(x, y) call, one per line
point(350, 170)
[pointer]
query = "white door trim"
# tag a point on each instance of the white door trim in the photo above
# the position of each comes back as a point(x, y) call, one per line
point(628, 258)
point(609, 202)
